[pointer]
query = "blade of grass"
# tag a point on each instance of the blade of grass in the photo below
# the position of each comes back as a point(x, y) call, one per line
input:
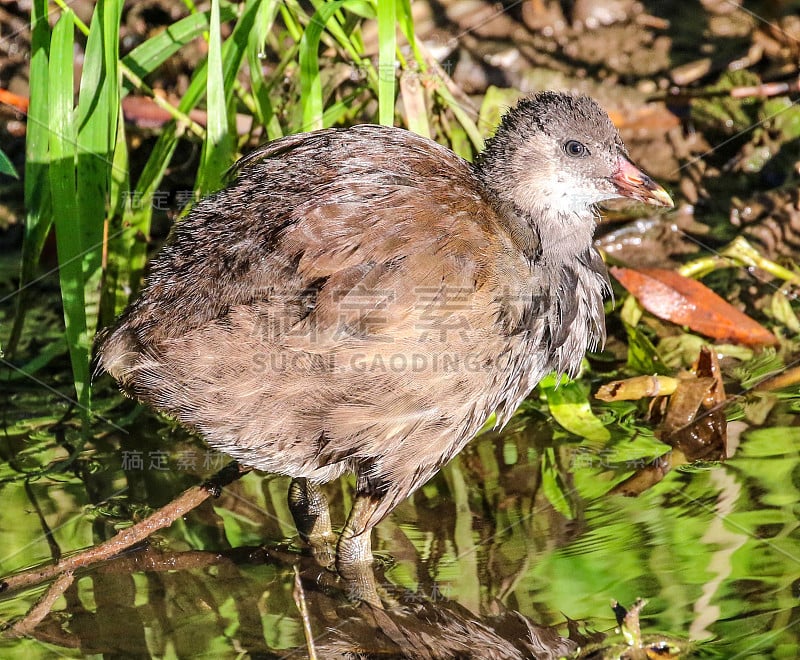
point(311, 102)
point(217, 147)
point(6, 166)
point(336, 111)
point(64, 194)
point(457, 138)
point(445, 90)
point(44, 356)
point(97, 112)
point(405, 20)
point(265, 19)
point(387, 45)
point(349, 43)
point(291, 23)
point(161, 155)
point(147, 57)
point(119, 241)
point(463, 118)
point(38, 216)
point(235, 47)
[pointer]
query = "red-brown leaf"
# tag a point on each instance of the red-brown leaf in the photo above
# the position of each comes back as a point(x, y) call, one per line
point(682, 300)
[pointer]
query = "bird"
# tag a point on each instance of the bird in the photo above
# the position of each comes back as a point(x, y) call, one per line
point(362, 300)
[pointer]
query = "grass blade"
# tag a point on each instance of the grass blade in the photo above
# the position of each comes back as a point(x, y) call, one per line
point(405, 20)
point(64, 194)
point(463, 117)
point(217, 147)
point(6, 166)
point(38, 216)
point(387, 46)
point(118, 239)
point(310, 82)
point(232, 52)
point(147, 57)
point(265, 19)
point(97, 112)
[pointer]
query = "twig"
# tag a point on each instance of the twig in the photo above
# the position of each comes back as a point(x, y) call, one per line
point(300, 601)
point(162, 518)
point(42, 607)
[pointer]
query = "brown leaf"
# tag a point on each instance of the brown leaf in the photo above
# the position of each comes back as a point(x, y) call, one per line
point(682, 300)
point(694, 422)
point(691, 420)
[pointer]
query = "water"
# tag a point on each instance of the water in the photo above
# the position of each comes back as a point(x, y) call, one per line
point(519, 522)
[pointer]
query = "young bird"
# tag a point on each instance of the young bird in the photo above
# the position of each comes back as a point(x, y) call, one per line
point(362, 300)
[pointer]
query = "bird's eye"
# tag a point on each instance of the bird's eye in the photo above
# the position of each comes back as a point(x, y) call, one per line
point(575, 149)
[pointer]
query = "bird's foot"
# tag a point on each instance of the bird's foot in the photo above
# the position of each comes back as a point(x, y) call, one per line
point(309, 508)
point(361, 584)
point(356, 568)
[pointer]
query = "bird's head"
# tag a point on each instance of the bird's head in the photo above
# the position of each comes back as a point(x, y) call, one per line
point(554, 156)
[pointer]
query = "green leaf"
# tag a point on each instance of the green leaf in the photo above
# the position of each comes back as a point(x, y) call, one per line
point(120, 239)
point(310, 82)
point(643, 357)
point(98, 111)
point(265, 19)
point(496, 102)
point(38, 217)
point(463, 117)
point(232, 52)
point(784, 116)
point(766, 363)
point(6, 166)
point(405, 19)
point(147, 57)
point(570, 407)
point(631, 312)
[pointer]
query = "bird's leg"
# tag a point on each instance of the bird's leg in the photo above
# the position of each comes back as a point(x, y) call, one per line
point(354, 550)
point(309, 508)
point(355, 546)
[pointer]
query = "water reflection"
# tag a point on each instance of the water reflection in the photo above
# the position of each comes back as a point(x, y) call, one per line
point(515, 544)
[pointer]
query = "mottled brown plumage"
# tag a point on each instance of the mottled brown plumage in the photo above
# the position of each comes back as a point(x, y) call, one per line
point(363, 299)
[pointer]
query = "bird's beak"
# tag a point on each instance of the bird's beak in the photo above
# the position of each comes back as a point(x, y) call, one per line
point(631, 182)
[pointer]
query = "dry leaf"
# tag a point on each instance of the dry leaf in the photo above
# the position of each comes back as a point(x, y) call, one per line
point(682, 300)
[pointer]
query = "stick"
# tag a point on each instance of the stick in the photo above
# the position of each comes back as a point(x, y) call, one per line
point(39, 611)
point(164, 517)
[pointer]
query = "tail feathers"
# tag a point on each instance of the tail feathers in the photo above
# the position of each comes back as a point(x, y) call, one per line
point(118, 353)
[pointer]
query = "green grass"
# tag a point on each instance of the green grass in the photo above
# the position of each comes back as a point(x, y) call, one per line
point(64, 192)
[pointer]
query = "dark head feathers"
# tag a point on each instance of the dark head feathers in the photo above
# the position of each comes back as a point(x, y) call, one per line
point(555, 114)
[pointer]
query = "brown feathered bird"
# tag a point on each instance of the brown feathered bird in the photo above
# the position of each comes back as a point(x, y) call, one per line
point(362, 300)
